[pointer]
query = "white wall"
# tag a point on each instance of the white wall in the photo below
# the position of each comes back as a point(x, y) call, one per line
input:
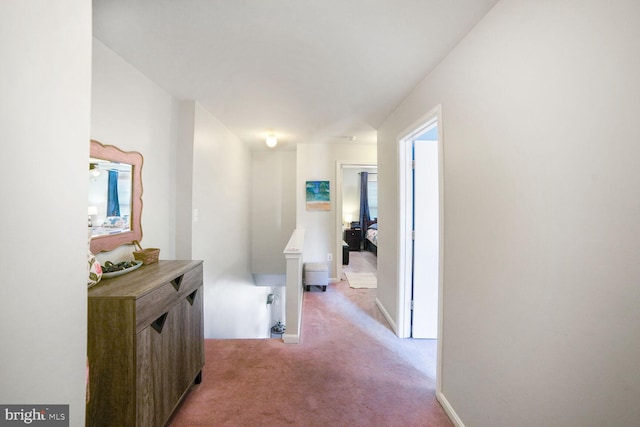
point(317, 162)
point(234, 307)
point(541, 184)
point(184, 116)
point(191, 162)
point(350, 194)
point(44, 121)
point(133, 113)
point(273, 209)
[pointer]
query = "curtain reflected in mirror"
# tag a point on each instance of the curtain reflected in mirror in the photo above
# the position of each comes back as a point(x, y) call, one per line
point(113, 203)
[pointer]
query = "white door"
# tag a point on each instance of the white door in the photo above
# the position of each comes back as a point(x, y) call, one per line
point(426, 226)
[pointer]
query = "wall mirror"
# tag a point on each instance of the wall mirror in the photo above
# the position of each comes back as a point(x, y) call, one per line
point(115, 197)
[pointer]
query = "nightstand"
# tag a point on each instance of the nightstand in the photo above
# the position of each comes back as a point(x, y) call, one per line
point(353, 237)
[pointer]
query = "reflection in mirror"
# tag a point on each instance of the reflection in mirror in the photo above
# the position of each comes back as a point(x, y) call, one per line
point(115, 197)
point(109, 197)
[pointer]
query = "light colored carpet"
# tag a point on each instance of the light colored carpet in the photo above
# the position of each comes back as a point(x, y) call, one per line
point(362, 280)
point(349, 369)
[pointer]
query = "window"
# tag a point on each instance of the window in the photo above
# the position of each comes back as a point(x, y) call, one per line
point(372, 192)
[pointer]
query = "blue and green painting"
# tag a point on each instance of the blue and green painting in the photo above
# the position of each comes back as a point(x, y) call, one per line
point(318, 196)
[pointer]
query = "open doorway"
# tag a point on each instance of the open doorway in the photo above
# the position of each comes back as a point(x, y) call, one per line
point(357, 248)
point(420, 261)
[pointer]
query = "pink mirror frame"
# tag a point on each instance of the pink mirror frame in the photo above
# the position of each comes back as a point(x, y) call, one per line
point(114, 154)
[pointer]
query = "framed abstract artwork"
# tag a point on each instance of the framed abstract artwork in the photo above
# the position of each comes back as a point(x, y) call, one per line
point(318, 197)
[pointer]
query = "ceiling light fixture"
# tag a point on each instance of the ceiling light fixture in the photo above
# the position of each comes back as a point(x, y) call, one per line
point(271, 141)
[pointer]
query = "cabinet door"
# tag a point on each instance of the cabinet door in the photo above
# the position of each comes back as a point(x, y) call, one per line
point(194, 335)
point(189, 353)
point(158, 348)
point(145, 413)
point(170, 355)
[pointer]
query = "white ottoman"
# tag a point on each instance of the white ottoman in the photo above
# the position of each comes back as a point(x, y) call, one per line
point(316, 274)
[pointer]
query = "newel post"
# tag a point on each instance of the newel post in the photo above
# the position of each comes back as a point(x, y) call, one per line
point(294, 290)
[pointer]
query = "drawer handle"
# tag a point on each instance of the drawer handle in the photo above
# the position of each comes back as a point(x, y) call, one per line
point(192, 297)
point(177, 282)
point(158, 324)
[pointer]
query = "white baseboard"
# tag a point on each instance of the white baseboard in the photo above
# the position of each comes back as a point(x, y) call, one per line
point(451, 413)
point(453, 416)
point(386, 315)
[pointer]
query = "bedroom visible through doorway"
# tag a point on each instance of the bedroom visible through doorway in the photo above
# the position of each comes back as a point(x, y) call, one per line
point(356, 217)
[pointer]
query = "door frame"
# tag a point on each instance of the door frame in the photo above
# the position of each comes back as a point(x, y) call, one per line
point(340, 165)
point(405, 217)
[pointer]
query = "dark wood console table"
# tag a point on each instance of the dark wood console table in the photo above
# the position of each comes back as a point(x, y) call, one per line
point(145, 343)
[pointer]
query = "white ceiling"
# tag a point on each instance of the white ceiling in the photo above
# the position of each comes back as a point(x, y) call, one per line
point(309, 71)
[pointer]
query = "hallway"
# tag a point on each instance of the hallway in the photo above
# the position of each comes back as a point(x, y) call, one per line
point(348, 370)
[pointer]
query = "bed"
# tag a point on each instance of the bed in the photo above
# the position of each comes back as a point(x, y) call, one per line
point(371, 237)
